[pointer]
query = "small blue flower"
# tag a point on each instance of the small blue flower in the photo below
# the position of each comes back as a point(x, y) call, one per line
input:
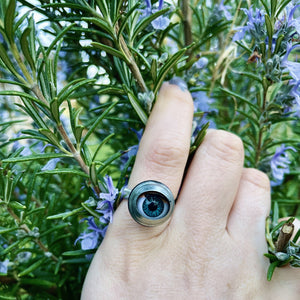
point(225, 8)
point(51, 164)
point(90, 240)
point(291, 20)
point(202, 103)
point(280, 164)
point(132, 151)
point(4, 266)
point(106, 206)
point(201, 63)
point(256, 20)
point(159, 23)
point(293, 67)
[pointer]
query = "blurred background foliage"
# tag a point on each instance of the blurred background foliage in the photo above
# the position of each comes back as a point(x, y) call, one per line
point(77, 82)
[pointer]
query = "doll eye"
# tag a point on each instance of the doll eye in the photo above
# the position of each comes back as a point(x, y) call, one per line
point(153, 205)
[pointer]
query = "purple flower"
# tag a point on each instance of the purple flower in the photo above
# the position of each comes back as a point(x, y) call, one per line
point(51, 164)
point(280, 164)
point(225, 8)
point(90, 240)
point(3, 266)
point(293, 67)
point(159, 23)
point(291, 21)
point(106, 206)
point(295, 92)
point(201, 63)
point(202, 103)
point(132, 151)
point(255, 20)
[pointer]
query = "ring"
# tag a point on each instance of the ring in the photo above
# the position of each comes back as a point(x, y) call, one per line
point(150, 203)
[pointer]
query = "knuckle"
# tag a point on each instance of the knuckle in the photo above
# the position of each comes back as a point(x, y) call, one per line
point(257, 178)
point(225, 145)
point(164, 155)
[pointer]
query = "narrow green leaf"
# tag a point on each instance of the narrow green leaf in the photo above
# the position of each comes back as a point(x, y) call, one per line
point(37, 282)
point(54, 108)
point(101, 144)
point(78, 252)
point(137, 107)
point(6, 81)
point(266, 6)
point(249, 75)
point(243, 99)
point(78, 133)
point(109, 50)
point(93, 174)
point(154, 69)
point(63, 171)
point(273, 7)
point(32, 267)
point(6, 230)
point(50, 135)
point(75, 261)
point(96, 123)
point(249, 117)
point(92, 212)
point(35, 157)
point(54, 228)
point(166, 68)
point(100, 23)
point(16, 205)
point(108, 162)
point(282, 5)
point(11, 247)
point(9, 20)
point(24, 95)
point(110, 91)
point(9, 65)
point(271, 269)
point(269, 26)
point(65, 214)
point(26, 50)
point(70, 88)
point(297, 236)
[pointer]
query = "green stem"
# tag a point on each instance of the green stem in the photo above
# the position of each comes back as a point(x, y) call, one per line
point(187, 24)
point(131, 63)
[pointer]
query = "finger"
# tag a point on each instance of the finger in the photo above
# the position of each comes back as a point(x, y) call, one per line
point(212, 181)
point(164, 147)
point(251, 208)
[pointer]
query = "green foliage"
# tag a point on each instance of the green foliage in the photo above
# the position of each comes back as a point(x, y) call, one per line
point(70, 106)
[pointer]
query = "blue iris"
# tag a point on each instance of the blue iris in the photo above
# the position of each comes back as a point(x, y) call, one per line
point(153, 205)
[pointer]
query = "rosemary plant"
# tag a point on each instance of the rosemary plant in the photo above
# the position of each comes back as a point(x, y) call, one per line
point(78, 79)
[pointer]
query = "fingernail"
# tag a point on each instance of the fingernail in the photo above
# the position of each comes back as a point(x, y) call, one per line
point(179, 82)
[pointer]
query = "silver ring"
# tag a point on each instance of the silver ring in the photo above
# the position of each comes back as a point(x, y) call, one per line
point(150, 203)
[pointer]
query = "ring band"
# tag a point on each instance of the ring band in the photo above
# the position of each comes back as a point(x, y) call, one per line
point(150, 203)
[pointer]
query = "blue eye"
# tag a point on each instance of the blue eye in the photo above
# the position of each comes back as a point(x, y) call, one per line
point(153, 205)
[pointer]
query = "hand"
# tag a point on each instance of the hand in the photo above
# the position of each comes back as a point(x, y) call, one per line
point(212, 247)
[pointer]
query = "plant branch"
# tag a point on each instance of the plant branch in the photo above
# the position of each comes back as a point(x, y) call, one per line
point(63, 134)
point(187, 24)
point(132, 63)
point(27, 230)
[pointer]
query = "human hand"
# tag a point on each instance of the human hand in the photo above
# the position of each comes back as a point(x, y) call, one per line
point(212, 247)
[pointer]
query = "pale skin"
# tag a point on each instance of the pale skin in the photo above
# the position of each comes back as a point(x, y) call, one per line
point(212, 247)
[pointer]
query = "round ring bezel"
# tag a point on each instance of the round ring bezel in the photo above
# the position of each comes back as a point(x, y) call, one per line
point(144, 187)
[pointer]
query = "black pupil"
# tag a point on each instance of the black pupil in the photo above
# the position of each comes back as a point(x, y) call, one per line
point(153, 204)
